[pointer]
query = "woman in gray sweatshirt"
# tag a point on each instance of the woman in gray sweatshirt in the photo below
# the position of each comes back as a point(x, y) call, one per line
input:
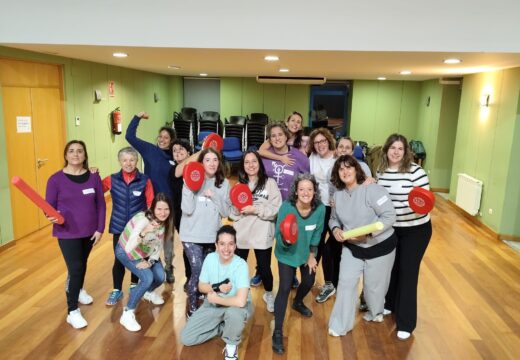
point(369, 255)
point(202, 213)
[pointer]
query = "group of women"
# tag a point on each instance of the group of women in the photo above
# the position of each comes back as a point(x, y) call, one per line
point(339, 195)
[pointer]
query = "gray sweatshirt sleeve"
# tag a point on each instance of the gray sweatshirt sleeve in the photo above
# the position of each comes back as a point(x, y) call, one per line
point(268, 209)
point(379, 200)
point(188, 200)
point(221, 199)
point(334, 221)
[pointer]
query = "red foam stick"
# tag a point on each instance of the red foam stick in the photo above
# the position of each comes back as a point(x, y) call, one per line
point(213, 140)
point(421, 200)
point(241, 196)
point(289, 228)
point(37, 199)
point(193, 175)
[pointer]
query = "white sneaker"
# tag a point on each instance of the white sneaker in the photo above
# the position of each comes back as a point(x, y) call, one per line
point(128, 321)
point(403, 335)
point(386, 312)
point(153, 297)
point(76, 319)
point(269, 300)
point(378, 318)
point(84, 298)
point(333, 333)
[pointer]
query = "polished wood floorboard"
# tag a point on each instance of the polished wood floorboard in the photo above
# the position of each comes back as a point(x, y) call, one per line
point(469, 296)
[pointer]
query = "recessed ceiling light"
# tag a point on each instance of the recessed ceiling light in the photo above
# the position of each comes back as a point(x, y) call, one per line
point(271, 58)
point(120, 54)
point(174, 67)
point(203, 74)
point(405, 72)
point(381, 78)
point(452, 61)
point(283, 70)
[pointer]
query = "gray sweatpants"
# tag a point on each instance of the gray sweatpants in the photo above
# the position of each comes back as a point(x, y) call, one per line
point(376, 278)
point(210, 321)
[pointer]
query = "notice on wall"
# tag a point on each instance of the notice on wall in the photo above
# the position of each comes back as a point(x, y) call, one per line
point(111, 89)
point(23, 124)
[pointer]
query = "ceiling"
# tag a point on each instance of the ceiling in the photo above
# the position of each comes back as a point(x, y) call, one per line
point(334, 65)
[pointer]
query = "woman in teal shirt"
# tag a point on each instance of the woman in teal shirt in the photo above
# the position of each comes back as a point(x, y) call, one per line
point(304, 202)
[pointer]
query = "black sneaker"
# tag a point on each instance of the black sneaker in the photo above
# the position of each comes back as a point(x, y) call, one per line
point(278, 342)
point(326, 292)
point(170, 278)
point(302, 309)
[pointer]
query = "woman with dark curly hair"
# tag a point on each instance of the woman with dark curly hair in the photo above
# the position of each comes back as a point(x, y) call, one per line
point(304, 202)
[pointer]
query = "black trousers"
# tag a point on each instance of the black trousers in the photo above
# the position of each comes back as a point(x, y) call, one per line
point(286, 273)
point(401, 297)
point(263, 265)
point(75, 252)
point(118, 269)
point(331, 250)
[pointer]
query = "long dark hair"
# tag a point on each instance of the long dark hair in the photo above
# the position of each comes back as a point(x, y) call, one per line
point(297, 142)
point(72, 142)
point(220, 175)
point(168, 223)
point(172, 134)
point(407, 157)
point(346, 160)
point(244, 178)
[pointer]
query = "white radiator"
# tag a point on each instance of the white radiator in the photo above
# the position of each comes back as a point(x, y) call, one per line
point(469, 191)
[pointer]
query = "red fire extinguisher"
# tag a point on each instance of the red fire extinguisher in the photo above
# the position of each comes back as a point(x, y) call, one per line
point(116, 121)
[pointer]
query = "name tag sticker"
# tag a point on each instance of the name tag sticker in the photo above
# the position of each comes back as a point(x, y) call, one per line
point(310, 227)
point(89, 191)
point(382, 200)
point(288, 172)
point(172, 163)
point(136, 193)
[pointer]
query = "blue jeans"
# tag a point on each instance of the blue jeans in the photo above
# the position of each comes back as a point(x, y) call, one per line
point(149, 279)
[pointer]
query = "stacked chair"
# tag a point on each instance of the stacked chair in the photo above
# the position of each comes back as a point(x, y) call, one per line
point(235, 127)
point(185, 123)
point(210, 121)
point(255, 131)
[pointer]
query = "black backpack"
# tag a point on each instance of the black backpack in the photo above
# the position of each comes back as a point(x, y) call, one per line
point(418, 149)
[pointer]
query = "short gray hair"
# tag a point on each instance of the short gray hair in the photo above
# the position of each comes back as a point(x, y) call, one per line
point(316, 199)
point(128, 150)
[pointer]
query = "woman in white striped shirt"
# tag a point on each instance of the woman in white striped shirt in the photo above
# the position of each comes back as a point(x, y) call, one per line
point(399, 175)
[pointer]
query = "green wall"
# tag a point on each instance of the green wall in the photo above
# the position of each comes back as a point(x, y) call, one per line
point(380, 108)
point(243, 96)
point(487, 146)
point(134, 92)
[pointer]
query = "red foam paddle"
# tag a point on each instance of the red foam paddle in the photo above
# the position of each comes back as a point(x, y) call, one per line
point(421, 200)
point(37, 199)
point(241, 196)
point(193, 175)
point(289, 228)
point(214, 141)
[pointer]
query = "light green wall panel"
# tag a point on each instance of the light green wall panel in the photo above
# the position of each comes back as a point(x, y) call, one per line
point(364, 100)
point(410, 103)
point(274, 101)
point(252, 96)
point(297, 98)
point(176, 94)
point(231, 97)
point(388, 109)
point(6, 226)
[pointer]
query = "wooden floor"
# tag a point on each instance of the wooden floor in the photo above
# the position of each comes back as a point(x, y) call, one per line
point(469, 297)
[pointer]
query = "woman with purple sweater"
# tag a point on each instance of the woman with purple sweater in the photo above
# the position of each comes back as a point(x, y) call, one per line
point(78, 195)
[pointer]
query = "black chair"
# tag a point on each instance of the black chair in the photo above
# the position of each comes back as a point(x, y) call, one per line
point(184, 124)
point(258, 118)
point(235, 127)
point(255, 130)
point(189, 114)
point(210, 121)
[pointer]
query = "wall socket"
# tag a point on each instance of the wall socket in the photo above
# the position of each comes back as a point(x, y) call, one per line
point(490, 211)
point(77, 120)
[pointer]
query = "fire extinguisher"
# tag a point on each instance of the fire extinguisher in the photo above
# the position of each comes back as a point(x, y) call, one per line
point(116, 121)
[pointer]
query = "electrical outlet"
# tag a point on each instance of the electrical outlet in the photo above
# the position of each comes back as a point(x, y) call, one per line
point(490, 211)
point(480, 213)
point(429, 171)
point(77, 121)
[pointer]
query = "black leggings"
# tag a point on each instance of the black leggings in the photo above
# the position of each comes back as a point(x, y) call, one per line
point(75, 252)
point(331, 252)
point(263, 267)
point(286, 273)
point(118, 269)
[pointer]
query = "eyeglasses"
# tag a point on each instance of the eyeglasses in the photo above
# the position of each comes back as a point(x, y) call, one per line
point(319, 142)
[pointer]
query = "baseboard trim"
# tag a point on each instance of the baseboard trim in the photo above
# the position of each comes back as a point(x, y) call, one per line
point(509, 237)
point(440, 190)
point(7, 245)
point(475, 221)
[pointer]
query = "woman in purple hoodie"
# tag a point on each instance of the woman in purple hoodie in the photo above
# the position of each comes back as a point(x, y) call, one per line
point(78, 195)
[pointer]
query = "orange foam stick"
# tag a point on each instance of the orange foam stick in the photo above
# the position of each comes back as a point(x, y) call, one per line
point(37, 199)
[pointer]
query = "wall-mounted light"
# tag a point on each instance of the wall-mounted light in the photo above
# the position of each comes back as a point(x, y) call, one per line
point(484, 100)
point(428, 101)
point(155, 97)
point(97, 95)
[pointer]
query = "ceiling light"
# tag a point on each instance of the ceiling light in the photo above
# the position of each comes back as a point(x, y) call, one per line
point(174, 67)
point(283, 70)
point(271, 58)
point(120, 54)
point(381, 78)
point(405, 72)
point(452, 61)
point(203, 74)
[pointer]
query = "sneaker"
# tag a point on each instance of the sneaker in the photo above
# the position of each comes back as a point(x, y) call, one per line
point(128, 321)
point(278, 342)
point(295, 282)
point(386, 312)
point(403, 335)
point(228, 356)
point(269, 300)
point(153, 297)
point(326, 292)
point(368, 317)
point(256, 280)
point(84, 298)
point(333, 333)
point(170, 278)
point(114, 296)
point(77, 320)
point(362, 303)
point(302, 309)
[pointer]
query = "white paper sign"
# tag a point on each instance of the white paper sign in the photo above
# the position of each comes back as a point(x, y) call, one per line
point(23, 124)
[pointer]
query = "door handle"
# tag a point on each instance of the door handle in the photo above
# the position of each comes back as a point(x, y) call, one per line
point(40, 162)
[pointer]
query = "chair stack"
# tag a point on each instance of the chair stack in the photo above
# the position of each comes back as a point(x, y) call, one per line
point(184, 124)
point(210, 121)
point(255, 130)
point(235, 127)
